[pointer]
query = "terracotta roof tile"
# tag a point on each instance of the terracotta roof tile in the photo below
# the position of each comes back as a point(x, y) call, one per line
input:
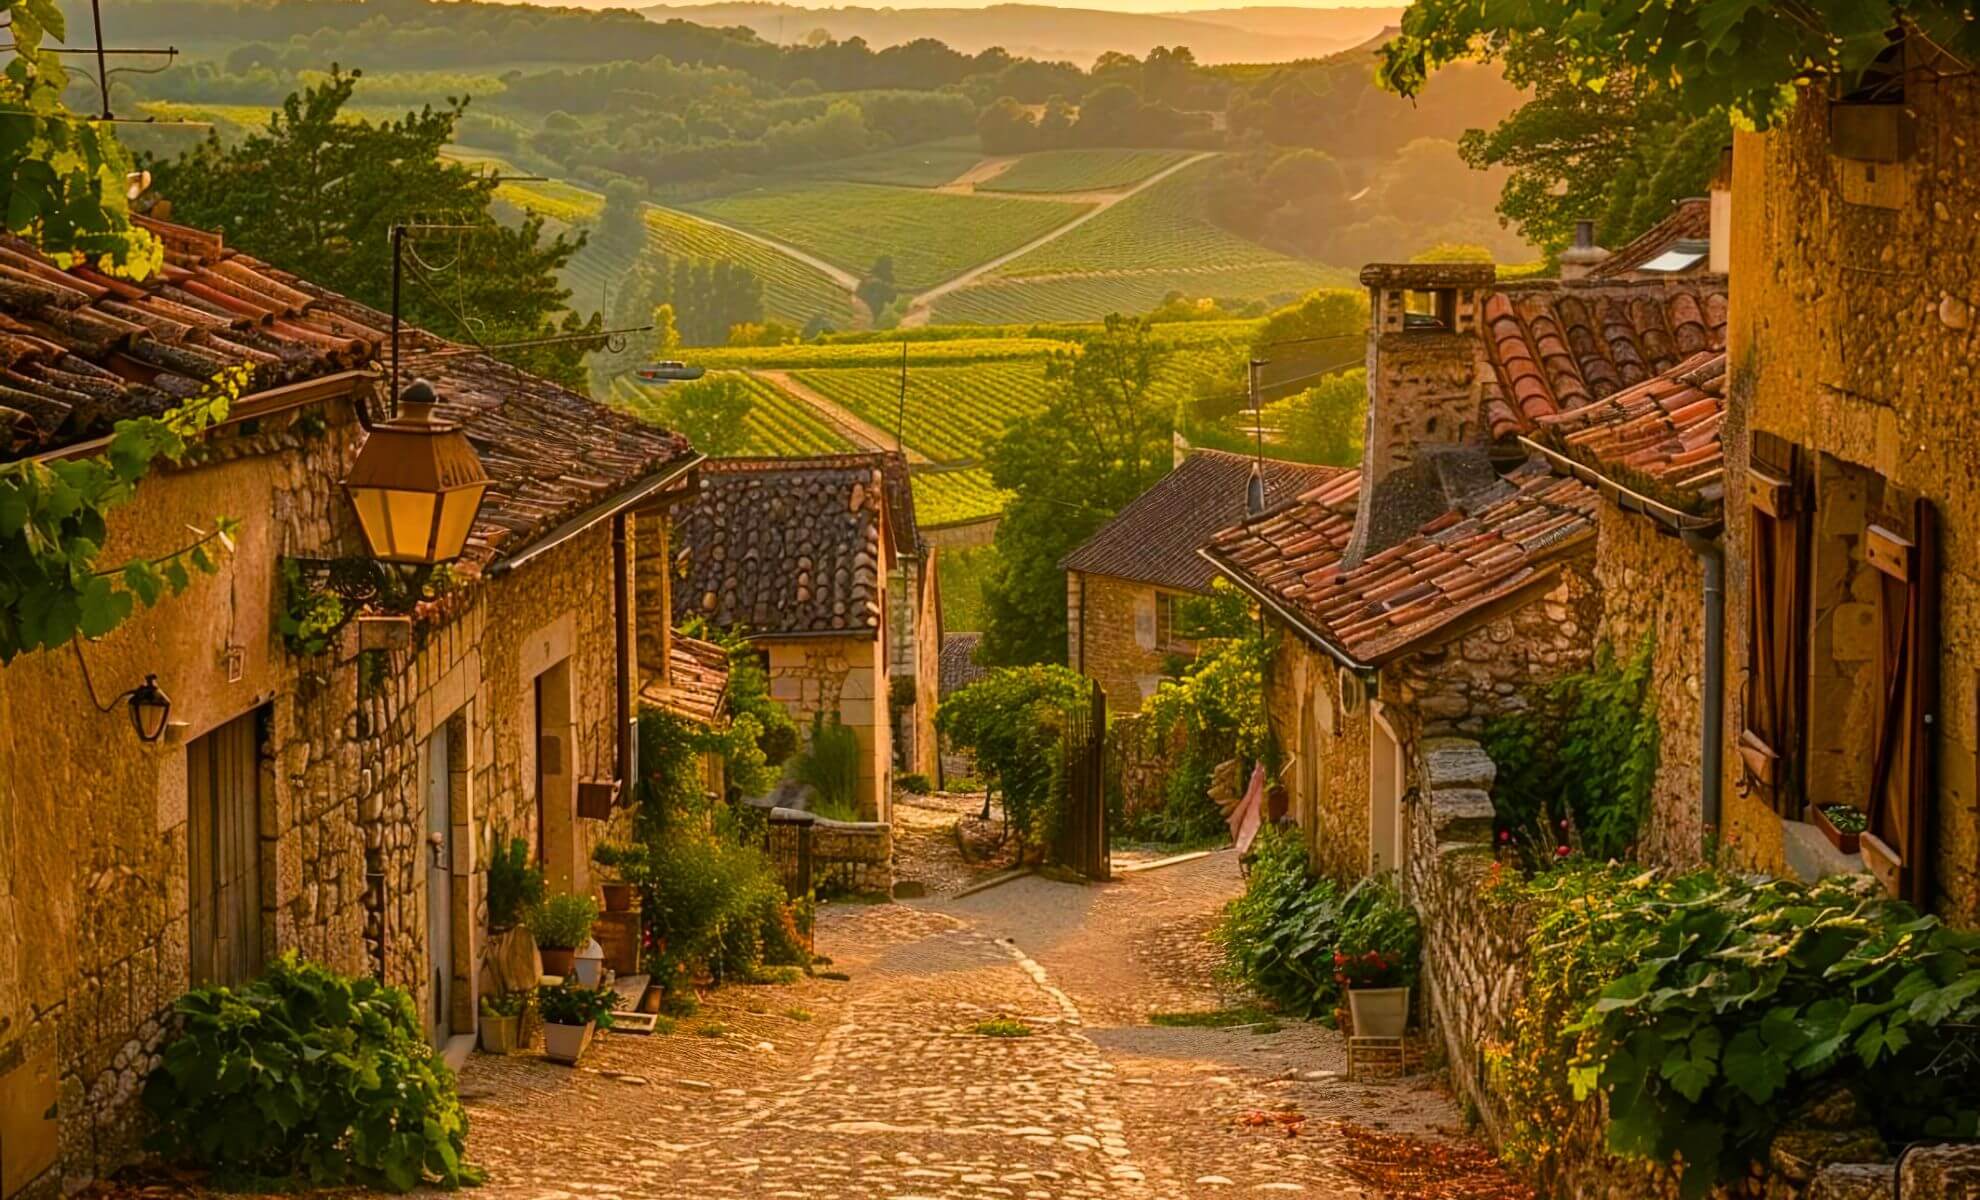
point(1552, 347)
point(1661, 437)
point(958, 666)
point(1454, 564)
point(697, 683)
point(1689, 220)
point(1155, 538)
point(780, 546)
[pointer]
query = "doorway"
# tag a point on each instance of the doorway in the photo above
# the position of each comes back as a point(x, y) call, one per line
point(439, 890)
point(556, 780)
point(1385, 786)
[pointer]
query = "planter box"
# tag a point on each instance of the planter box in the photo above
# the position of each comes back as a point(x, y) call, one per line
point(556, 961)
point(1848, 843)
point(619, 897)
point(566, 1043)
point(501, 1035)
point(1379, 1012)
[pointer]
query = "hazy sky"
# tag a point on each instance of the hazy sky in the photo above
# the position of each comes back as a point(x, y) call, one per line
point(1141, 6)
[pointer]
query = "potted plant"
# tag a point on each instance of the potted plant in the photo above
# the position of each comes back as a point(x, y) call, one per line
point(1843, 825)
point(561, 925)
point(571, 1012)
point(515, 886)
point(1375, 959)
point(624, 864)
point(501, 1021)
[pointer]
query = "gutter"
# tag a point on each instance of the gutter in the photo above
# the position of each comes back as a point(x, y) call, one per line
point(611, 506)
point(1674, 519)
point(1287, 615)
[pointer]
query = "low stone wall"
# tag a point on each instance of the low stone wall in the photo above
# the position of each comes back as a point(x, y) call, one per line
point(847, 857)
point(1474, 958)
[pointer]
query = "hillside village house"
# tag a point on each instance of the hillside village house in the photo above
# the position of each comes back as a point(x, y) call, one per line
point(1124, 584)
point(1448, 579)
point(796, 555)
point(337, 799)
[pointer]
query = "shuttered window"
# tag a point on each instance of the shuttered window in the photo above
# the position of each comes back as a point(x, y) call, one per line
point(223, 843)
point(1901, 780)
point(1771, 743)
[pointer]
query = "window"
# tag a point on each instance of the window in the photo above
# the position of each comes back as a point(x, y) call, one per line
point(1169, 623)
point(1907, 694)
point(1770, 744)
point(223, 848)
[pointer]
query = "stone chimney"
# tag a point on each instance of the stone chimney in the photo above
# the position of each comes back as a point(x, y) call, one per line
point(1719, 259)
point(1423, 395)
point(1584, 255)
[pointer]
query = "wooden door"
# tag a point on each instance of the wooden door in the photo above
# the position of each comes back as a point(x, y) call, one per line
point(439, 892)
point(223, 809)
point(1771, 744)
point(1385, 785)
point(1902, 776)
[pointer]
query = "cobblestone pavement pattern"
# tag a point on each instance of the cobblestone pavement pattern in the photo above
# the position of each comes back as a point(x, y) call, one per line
point(880, 1087)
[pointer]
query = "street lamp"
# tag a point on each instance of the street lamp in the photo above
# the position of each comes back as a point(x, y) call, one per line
point(417, 484)
point(150, 706)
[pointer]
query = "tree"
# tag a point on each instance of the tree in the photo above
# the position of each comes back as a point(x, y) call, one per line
point(713, 412)
point(878, 289)
point(62, 179)
point(1324, 423)
point(317, 193)
point(1101, 439)
point(666, 338)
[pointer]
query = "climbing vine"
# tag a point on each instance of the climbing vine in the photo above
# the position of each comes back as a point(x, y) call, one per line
point(54, 520)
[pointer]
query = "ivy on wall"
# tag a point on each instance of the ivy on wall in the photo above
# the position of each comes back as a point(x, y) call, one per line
point(54, 519)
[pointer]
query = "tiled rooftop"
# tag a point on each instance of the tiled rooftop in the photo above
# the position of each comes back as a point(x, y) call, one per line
point(1660, 437)
point(80, 350)
point(1155, 538)
point(697, 682)
point(958, 666)
point(1493, 545)
point(781, 546)
point(1551, 347)
point(1690, 220)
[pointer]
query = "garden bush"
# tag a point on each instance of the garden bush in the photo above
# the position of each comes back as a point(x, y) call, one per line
point(914, 783)
point(563, 922)
point(307, 1075)
point(1012, 720)
point(829, 766)
point(1706, 1008)
point(515, 885)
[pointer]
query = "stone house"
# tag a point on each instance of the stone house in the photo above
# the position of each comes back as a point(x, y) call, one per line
point(1125, 583)
point(796, 554)
point(1852, 583)
point(338, 801)
point(1449, 578)
point(914, 629)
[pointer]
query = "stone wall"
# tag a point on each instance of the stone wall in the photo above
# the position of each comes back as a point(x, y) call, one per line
point(845, 676)
point(1113, 632)
point(1327, 751)
point(1652, 583)
point(848, 858)
point(94, 907)
point(1855, 288)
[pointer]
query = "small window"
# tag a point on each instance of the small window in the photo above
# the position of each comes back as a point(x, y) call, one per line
point(1868, 121)
point(1169, 623)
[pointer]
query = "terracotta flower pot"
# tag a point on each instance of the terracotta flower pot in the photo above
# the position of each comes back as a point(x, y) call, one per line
point(501, 1035)
point(1379, 1012)
point(1848, 843)
point(565, 1043)
point(557, 961)
point(618, 896)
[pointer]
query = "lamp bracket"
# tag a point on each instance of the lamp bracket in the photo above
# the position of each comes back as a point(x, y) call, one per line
point(369, 583)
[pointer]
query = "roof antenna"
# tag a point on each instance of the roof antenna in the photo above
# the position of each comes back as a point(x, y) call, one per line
point(1254, 490)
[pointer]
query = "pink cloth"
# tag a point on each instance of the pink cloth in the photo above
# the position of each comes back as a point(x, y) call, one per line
point(1250, 811)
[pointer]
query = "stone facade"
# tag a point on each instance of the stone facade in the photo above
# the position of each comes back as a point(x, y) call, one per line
point(1114, 633)
point(1651, 584)
point(95, 912)
point(852, 858)
point(846, 677)
point(914, 625)
point(1853, 336)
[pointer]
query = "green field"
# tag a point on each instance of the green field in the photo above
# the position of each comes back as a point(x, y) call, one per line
point(931, 236)
point(956, 497)
point(1084, 297)
point(953, 412)
point(928, 164)
point(1165, 226)
point(877, 353)
point(1081, 170)
point(792, 292)
point(777, 423)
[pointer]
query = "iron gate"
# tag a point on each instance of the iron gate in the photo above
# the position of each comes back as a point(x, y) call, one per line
point(1081, 841)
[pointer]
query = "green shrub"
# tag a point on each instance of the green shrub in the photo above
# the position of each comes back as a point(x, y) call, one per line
point(829, 766)
point(306, 1074)
point(1011, 720)
point(515, 885)
point(572, 1003)
point(1377, 942)
point(504, 1004)
point(1278, 936)
point(563, 922)
point(914, 784)
point(1001, 1027)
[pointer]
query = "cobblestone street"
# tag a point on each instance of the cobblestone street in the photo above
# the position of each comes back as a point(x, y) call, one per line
point(879, 1085)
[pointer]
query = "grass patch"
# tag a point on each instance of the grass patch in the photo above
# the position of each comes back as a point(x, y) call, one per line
point(680, 1004)
point(767, 976)
point(663, 1025)
point(798, 1014)
point(837, 976)
point(1081, 170)
point(712, 1029)
point(1256, 1020)
point(1001, 1027)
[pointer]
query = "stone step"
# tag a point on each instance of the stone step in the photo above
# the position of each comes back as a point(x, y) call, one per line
point(1456, 763)
point(1461, 814)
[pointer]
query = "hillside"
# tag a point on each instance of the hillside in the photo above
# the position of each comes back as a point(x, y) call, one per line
point(1078, 35)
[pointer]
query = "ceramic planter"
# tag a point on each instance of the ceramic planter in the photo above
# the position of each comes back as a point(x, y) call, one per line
point(565, 1043)
point(557, 961)
point(1848, 843)
point(501, 1035)
point(618, 896)
point(1379, 1012)
point(588, 964)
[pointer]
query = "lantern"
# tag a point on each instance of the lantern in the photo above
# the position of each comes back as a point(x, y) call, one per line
point(150, 707)
point(416, 484)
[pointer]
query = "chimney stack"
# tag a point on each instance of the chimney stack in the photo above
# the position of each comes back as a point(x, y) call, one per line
point(1719, 259)
point(1584, 256)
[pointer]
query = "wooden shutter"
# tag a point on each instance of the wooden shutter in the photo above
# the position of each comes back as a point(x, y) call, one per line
point(223, 827)
point(1770, 744)
point(1901, 779)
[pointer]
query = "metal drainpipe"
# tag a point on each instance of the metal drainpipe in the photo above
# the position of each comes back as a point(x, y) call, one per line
point(1712, 555)
point(622, 609)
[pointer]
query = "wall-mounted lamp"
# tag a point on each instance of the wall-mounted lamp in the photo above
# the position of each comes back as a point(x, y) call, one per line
point(150, 708)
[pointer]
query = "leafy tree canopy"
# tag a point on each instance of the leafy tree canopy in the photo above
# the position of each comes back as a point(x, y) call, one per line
point(317, 192)
point(1745, 56)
